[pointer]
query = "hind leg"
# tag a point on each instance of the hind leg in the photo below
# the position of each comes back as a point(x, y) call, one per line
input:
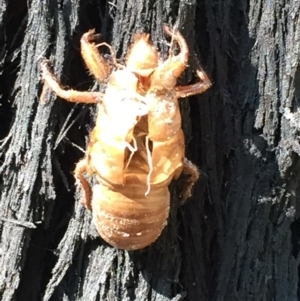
point(191, 175)
point(81, 168)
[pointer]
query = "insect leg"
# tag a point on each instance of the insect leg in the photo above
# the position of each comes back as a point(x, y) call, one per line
point(96, 63)
point(69, 95)
point(197, 88)
point(179, 62)
point(82, 167)
point(112, 54)
point(192, 174)
point(165, 76)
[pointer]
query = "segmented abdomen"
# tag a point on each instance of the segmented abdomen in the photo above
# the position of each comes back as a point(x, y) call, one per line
point(126, 218)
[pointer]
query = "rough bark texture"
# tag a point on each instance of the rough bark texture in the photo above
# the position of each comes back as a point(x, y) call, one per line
point(237, 238)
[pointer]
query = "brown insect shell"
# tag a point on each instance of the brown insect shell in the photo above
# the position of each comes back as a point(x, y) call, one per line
point(117, 115)
point(125, 217)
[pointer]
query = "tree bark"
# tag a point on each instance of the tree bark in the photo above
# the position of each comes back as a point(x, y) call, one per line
point(237, 238)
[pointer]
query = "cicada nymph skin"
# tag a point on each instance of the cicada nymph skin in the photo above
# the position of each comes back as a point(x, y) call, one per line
point(137, 146)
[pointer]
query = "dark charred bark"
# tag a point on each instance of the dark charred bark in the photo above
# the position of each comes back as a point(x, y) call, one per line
point(237, 238)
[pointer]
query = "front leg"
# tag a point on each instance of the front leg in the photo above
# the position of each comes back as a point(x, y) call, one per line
point(95, 62)
point(165, 76)
point(69, 95)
